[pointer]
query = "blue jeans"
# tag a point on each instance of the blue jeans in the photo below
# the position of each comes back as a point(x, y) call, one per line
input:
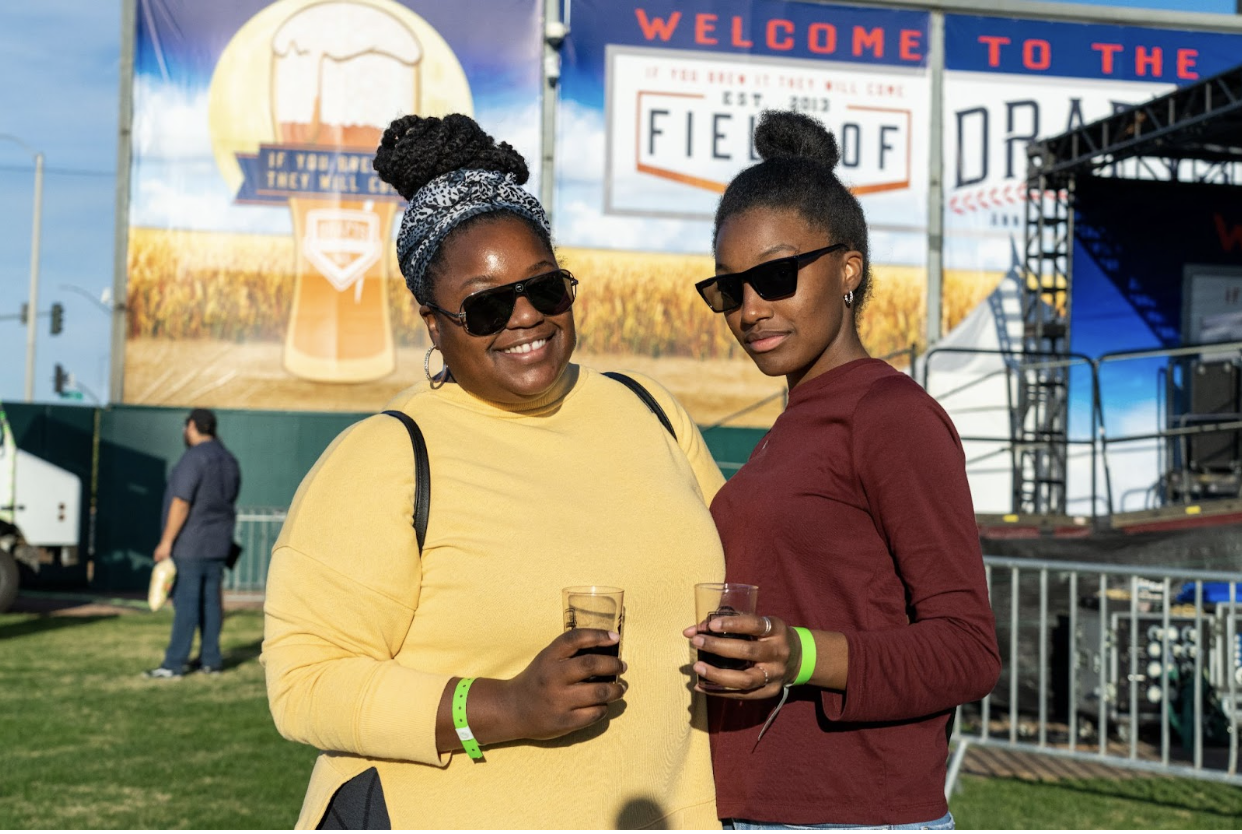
point(945, 823)
point(196, 598)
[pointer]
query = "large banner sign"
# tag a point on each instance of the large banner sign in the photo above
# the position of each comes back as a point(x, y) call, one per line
point(659, 101)
point(666, 95)
point(261, 268)
point(260, 258)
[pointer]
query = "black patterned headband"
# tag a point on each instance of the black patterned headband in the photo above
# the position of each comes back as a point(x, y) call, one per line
point(440, 205)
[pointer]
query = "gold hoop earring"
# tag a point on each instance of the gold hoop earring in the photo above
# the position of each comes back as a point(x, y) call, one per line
point(849, 298)
point(440, 377)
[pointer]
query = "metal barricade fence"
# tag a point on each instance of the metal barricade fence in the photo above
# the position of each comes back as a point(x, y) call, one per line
point(256, 531)
point(1109, 663)
point(1100, 662)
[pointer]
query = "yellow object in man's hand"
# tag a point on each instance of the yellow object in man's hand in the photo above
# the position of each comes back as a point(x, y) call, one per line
point(162, 577)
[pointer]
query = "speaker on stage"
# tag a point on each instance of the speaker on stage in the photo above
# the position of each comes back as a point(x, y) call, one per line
point(1215, 395)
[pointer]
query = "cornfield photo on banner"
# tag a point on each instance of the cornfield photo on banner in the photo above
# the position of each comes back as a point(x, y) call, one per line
point(209, 312)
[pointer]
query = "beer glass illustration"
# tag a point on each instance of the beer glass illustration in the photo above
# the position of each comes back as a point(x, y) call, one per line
point(341, 72)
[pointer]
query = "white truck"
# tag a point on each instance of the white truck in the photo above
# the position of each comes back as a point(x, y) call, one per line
point(40, 507)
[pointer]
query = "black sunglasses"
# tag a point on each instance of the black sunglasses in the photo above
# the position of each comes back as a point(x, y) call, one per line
point(770, 280)
point(488, 311)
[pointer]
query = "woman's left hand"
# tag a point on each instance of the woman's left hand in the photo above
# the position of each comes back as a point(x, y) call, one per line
point(774, 655)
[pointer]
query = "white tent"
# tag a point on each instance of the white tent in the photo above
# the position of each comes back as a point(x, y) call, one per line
point(978, 392)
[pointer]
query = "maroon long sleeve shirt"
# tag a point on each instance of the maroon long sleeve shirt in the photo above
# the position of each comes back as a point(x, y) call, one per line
point(854, 515)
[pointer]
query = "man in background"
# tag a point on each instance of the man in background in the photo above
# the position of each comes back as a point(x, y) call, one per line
point(199, 517)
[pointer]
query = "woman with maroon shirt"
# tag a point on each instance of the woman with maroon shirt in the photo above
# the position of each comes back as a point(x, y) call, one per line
point(854, 518)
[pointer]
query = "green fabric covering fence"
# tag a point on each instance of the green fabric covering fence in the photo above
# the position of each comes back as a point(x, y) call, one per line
point(127, 452)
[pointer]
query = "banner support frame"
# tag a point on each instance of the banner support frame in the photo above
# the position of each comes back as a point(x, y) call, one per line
point(124, 159)
point(552, 34)
point(935, 180)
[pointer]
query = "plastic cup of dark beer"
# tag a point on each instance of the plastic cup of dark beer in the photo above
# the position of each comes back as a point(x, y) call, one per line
point(595, 606)
point(722, 599)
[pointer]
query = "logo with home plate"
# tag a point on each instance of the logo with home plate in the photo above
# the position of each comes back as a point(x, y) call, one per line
point(342, 244)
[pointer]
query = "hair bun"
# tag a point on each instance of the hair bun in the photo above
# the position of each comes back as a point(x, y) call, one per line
point(784, 133)
point(417, 149)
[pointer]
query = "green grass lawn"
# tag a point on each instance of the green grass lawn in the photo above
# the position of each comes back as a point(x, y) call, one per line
point(87, 742)
point(1096, 803)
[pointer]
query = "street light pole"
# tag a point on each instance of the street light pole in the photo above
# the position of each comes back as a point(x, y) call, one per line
point(35, 236)
point(32, 327)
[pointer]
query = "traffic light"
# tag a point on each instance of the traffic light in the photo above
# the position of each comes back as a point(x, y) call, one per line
point(25, 312)
point(62, 380)
point(58, 318)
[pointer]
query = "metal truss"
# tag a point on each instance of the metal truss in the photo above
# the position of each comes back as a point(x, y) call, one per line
point(1040, 424)
point(1200, 123)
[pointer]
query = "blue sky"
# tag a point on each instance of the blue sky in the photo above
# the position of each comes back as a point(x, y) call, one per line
point(59, 61)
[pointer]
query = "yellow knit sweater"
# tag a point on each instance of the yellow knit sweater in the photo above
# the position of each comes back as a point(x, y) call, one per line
point(362, 635)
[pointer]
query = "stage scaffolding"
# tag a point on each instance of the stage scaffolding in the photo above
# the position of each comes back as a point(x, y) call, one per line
point(1193, 134)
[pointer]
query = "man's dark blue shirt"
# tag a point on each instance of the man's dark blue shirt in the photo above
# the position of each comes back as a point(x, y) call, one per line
point(208, 478)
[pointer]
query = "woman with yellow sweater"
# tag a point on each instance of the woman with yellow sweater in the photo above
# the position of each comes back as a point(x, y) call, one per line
point(438, 682)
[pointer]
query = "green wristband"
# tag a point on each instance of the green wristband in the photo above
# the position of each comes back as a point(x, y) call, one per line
point(459, 719)
point(808, 656)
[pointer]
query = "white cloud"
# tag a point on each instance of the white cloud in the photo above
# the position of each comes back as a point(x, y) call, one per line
point(176, 183)
point(580, 222)
point(906, 248)
point(521, 125)
point(989, 251)
point(193, 199)
point(1134, 467)
point(581, 144)
point(170, 121)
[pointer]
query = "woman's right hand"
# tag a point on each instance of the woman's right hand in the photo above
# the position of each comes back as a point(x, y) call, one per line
point(552, 697)
point(548, 699)
point(773, 655)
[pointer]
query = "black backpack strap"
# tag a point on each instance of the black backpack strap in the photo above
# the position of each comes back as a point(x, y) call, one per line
point(422, 476)
point(644, 395)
